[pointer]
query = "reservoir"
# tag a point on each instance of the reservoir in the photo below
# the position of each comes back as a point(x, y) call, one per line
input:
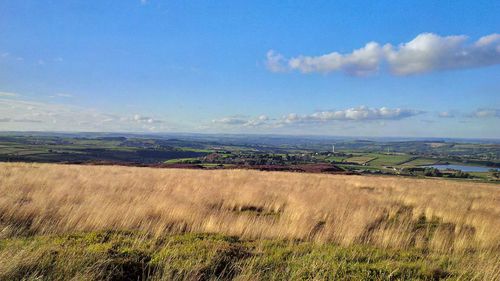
point(463, 168)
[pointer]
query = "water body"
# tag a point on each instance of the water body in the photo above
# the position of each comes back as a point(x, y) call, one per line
point(463, 168)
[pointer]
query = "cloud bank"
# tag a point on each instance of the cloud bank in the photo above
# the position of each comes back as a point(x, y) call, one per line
point(355, 114)
point(242, 121)
point(425, 53)
point(361, 113)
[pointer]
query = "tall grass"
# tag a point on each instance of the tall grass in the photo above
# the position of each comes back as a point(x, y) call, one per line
point(450, 217)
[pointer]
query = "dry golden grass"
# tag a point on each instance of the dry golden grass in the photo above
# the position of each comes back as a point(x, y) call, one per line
point(442, 216)
point(387, 211)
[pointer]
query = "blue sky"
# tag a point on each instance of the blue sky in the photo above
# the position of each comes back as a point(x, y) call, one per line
point(345, 68)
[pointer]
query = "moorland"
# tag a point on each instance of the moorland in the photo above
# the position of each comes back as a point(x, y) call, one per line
point(91, 206)
point(84, 222)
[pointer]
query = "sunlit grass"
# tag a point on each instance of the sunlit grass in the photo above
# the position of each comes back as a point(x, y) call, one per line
point(271, 224)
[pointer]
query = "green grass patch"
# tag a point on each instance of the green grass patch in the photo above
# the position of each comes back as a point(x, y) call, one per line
point(180, 160)
point(360, 159)
point(389, 159)
point(195, 149)
point(420, 161)
point(112, 255)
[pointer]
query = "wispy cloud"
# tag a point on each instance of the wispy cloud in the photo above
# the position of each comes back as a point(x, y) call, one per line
point(9, 56)
point(4, 120)
point(478, 113)
point(7, 94)
point(446, 114)
point(486, 113)
point(275, 62)
point(35, 115)
point(230, 120)
point(425, 53)
point(61, 95)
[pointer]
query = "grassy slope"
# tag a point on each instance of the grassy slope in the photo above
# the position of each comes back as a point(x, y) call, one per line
point(132, 256)
point(56, 222)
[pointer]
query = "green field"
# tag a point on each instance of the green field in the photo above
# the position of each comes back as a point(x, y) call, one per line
point(179, 160)
point(335, 158)
point(389, 159)
point(421, 162)
point(360, 159)
point(379, 159)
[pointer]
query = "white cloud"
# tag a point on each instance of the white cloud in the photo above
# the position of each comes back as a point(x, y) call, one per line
point(256, 122)
point(243, 121)
point(425, 53)
point(360, 62)
point(361, 113)
point(145, 119)
point(430, 52)
point(231, 120)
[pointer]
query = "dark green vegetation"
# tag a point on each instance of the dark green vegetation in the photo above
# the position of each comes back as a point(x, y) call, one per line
point(381, 156)
point(133, 256)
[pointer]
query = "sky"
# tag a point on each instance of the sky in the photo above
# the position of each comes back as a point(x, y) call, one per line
point(340, 68)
